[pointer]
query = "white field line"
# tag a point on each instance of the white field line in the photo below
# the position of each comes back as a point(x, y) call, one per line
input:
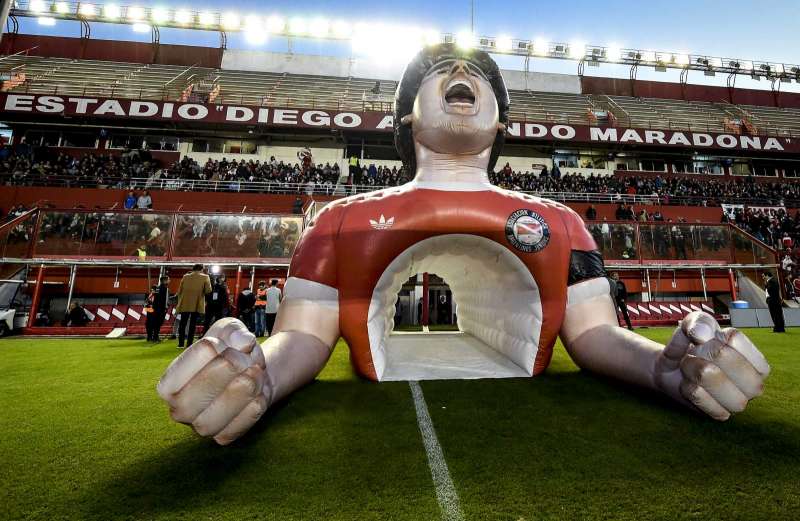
point(446, 493)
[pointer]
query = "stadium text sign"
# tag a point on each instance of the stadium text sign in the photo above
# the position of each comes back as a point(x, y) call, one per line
point(103, 108)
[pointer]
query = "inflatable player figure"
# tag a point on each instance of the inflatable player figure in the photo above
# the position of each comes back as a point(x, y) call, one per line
point(523, 271)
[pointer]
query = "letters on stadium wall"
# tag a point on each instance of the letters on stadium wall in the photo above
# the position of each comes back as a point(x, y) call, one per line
point(367, 121)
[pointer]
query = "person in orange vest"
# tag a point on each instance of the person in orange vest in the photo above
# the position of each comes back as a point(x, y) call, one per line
point(151, 319)
point(261, 309)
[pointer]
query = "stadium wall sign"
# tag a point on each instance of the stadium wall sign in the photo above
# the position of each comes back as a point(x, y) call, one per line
point(368, 121)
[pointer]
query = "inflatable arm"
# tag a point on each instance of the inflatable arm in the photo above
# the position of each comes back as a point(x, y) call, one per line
point(224, 382)
point(717, 371)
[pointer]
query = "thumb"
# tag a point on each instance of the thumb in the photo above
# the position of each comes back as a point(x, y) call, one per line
point(676, 348)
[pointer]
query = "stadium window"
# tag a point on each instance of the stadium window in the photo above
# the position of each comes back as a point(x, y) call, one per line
point(125, 141)
point(708, 167)
point(79, 140)
point(764, 169)
point(162, 143)
point(791, 171)
point(742, 168)
point(208, 145)
point(653, 165)
point(42, 139)
point(682, 167)
point(566, 160)
point(627, 163)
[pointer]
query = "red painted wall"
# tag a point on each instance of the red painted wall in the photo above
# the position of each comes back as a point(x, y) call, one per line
point(111, 50)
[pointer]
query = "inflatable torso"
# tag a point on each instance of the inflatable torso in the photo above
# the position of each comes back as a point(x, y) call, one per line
point(366, 246)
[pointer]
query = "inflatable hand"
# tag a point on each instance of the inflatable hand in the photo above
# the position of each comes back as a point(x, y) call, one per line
point(714, 370)
point(217, 384)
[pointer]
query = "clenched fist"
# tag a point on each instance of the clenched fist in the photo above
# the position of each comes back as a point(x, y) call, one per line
point(217, 385)
point(714, 370)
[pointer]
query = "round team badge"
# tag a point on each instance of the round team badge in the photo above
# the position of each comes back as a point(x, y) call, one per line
point(527, 231)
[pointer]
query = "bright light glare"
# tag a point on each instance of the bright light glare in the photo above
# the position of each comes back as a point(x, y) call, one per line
point(230, 21)
point(111, 11)
point(503, 43)
point(88, 10)
point(141, 28)
point(432, 37)
point(613, 52)
point(206, 18)
point(319, 27)
point(275, 24)
point(159, 15)
point(183, 17)
point(747, 65)
point(648, 56)
point(297, 26)
point(540, 46)
point(577, 49)
point(682, 59)
point(254, 31)
point(62, 7)
point(46, 20)
point(390, 44)
point(342, 29)
point(37, 6)
point(465, 40)
point(136, 13)
point(216, 269)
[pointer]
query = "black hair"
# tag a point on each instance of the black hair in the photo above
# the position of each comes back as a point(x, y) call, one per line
point(274, 282)
point(197, 267)
point(412, 79)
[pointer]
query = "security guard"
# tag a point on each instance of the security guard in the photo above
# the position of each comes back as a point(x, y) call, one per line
point(261, 309)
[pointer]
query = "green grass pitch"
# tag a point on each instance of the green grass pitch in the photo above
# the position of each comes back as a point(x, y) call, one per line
point(84, 436)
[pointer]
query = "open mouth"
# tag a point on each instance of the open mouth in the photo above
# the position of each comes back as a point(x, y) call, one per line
point(460, 92)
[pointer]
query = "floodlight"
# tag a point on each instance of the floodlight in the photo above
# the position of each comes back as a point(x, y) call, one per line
point(503, 43)
point(141, 28)
point(540, 46)
point(613, 52)
point(319, 28)
point(136, 13)
point(62, 7)
point(206, 18)
point(577, 49)
point(46, 20)
point(342, 29)
point(183, 17)
point(229, 21)
point(298, 26)
point(216, 269)
point(465, 40)
point(275, 24)
point(111, 11)
point(254, 31)
point(87, 10)
point(38, 6)
point(681, 59)
point(159, 15)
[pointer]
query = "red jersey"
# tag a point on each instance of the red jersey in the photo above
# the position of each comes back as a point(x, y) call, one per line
point(355, 242)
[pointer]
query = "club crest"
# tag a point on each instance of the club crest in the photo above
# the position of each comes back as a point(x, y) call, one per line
point(527, 231)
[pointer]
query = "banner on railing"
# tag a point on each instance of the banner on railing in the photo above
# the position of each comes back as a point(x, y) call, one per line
point(103, 108)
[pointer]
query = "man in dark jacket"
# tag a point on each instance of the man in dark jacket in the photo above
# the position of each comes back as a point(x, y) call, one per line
point(620, 293)
point(160, 303)
point(216, 302)
point(246, 301)
point(76, 316)
point(774, 302)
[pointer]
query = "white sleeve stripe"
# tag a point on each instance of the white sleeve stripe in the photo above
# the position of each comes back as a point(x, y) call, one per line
point(588, 289)
point(297, 288)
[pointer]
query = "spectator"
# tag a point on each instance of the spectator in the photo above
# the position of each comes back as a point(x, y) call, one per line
point(260, 309)
point(591, 213)
point(160, 304)
point(151, 320)
point(192, 292)
point(76, 315)
point(144, 202)
point(271, 308)
point(130, 201)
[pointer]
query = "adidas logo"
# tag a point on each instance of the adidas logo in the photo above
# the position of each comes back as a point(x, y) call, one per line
point(382, 224)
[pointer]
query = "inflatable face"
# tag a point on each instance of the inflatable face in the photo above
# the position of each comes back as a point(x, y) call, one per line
point(455, 111)
point(522, 270)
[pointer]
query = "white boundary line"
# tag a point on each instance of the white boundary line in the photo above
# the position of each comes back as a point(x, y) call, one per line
point(446, 493)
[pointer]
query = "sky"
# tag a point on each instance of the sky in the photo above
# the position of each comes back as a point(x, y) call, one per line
point(751, 30)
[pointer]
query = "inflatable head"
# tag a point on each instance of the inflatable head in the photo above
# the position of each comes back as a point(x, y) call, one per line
point(450, 100)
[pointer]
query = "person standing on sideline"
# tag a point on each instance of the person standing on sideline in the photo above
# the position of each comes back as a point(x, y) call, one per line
point(620, 293)
point(261, 305)
point(245, 303)
point(273, 301)
point(192, 292)
point(774, 302)
point(216, 303)
point(160, 306)
point(150, 312)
